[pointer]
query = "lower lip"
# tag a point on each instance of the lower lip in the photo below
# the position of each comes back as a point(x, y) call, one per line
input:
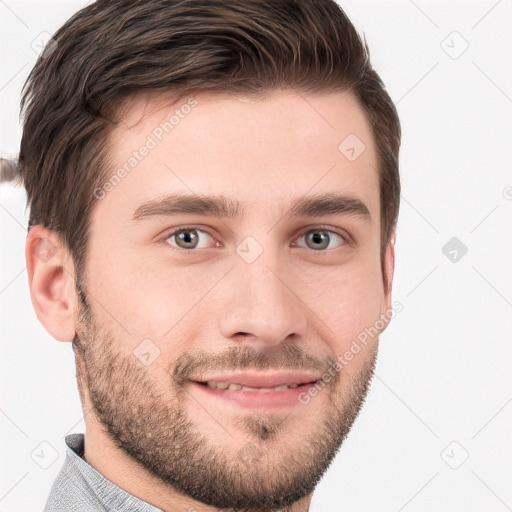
point(256, 399)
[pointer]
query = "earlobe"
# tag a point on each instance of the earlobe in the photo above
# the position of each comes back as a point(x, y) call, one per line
point(51, 280)
point(389, 268)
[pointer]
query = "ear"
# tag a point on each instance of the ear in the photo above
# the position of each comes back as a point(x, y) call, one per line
point(389, 270)
point(51, 280)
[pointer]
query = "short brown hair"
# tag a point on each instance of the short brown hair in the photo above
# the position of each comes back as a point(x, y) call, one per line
point(113, 49)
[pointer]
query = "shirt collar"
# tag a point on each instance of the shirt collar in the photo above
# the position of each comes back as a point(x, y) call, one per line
point(110, 495)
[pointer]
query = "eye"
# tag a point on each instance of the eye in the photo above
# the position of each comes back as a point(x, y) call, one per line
point(189, 238)
point(319, 239)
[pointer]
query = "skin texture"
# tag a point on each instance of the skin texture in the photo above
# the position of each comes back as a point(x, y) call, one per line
point(148, 428)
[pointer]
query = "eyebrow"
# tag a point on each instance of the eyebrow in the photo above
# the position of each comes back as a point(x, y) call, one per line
point(219, 206)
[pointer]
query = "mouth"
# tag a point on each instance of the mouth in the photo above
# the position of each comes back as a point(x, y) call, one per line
point(277, 391)
point(239, 387)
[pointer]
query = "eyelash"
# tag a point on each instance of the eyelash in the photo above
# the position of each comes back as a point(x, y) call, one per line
point(345, 238)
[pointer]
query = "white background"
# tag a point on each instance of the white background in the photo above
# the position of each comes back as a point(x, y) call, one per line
point(443, 387)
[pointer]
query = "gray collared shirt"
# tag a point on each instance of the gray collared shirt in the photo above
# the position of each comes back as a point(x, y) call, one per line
point(79, 486)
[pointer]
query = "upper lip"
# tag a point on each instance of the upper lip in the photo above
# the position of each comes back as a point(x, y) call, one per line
point(259, 379)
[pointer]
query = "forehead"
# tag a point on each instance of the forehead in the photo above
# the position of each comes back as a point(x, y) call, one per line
point(257, 151)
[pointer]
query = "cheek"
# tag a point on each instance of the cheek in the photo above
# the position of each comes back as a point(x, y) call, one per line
point(125, 299)
point(158, 300)
point(348, 302)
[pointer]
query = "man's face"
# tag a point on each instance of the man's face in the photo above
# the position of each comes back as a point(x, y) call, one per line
point(264, 292)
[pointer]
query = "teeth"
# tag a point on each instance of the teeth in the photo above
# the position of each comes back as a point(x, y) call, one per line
point(238, 387)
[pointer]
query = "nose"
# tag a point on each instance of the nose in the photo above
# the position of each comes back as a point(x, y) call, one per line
point(261, 304)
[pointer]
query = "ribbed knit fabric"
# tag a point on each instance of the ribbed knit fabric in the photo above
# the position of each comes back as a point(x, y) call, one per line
point(79, 487)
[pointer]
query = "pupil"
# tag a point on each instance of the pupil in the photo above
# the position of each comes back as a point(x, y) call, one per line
point(319, 237)
point(187, 237)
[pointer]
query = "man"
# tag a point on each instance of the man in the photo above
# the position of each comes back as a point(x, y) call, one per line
point(214, 193)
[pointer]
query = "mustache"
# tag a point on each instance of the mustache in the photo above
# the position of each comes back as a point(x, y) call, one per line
point(286, 356)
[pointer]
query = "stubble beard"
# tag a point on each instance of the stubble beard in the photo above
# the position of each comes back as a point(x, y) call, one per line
point(157, 432)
